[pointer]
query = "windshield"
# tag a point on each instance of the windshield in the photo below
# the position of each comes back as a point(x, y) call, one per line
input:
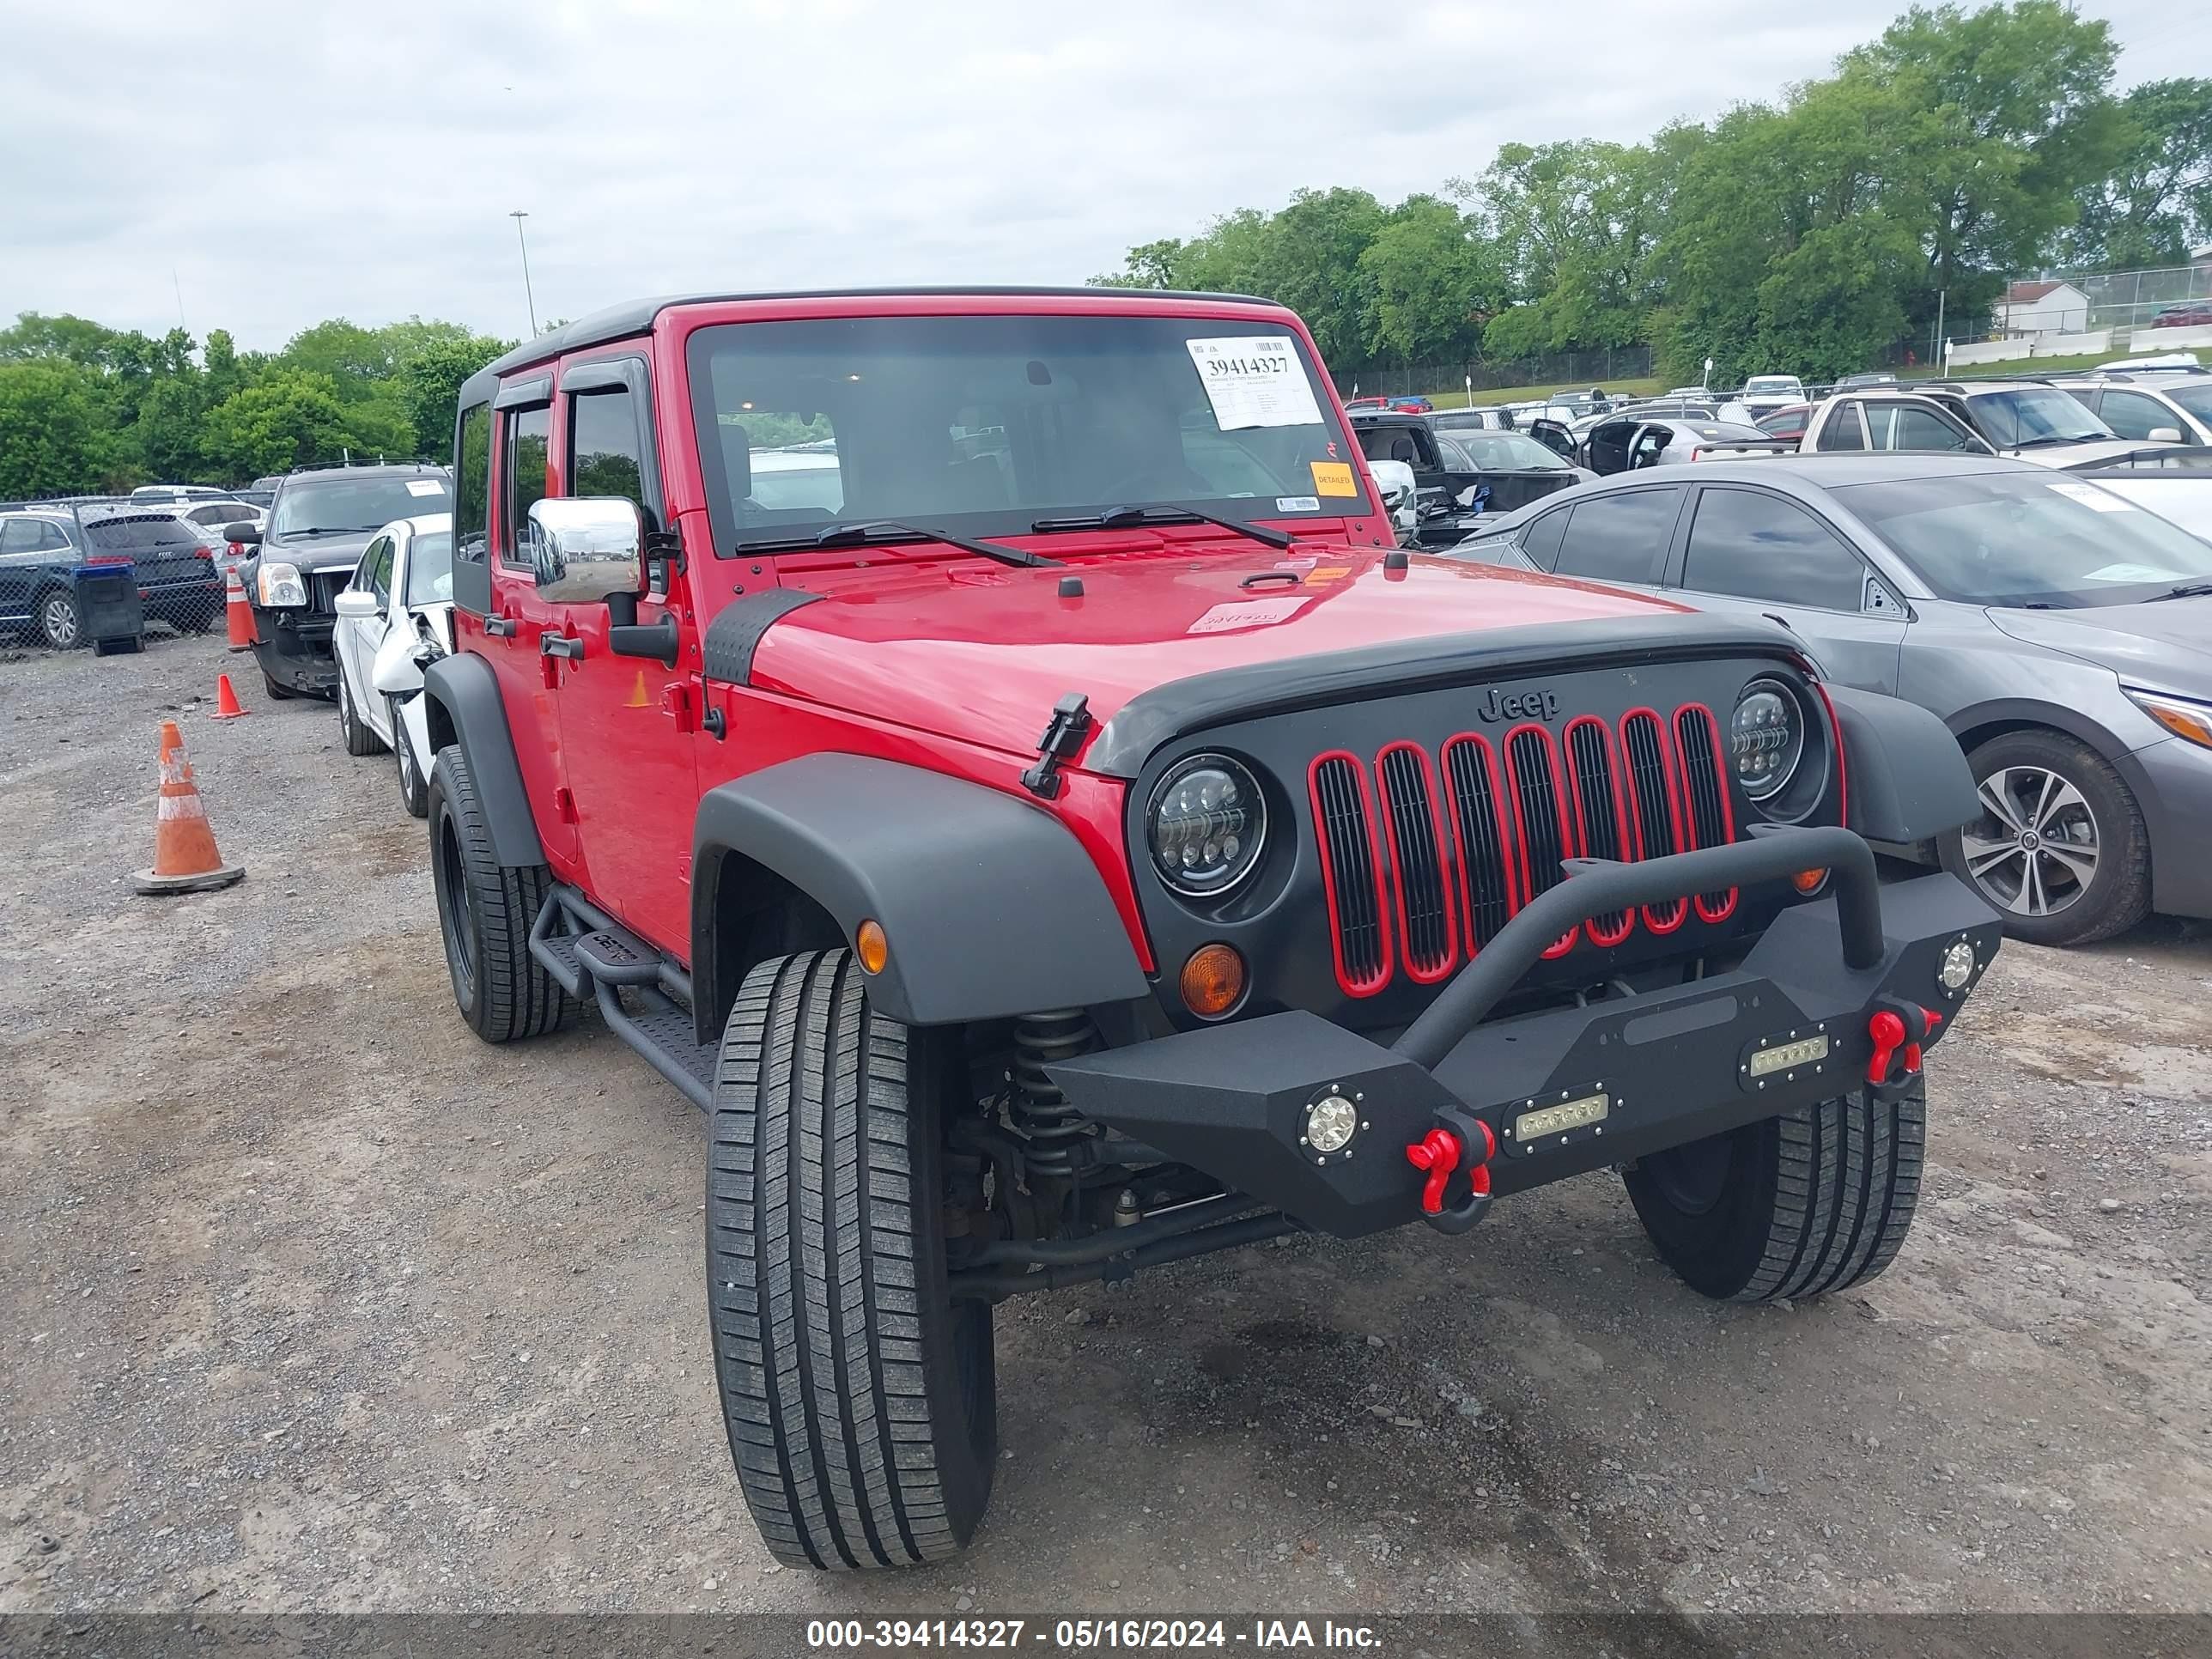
point(430, 568)
point(356, 504)
point(2007, 538)
point(1507, 452)
point(2033, 416)
point(984, 425)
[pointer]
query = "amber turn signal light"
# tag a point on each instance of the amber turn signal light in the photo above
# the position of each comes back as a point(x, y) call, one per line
point(872, 947)
point(1808, 881)
point(1212, 980)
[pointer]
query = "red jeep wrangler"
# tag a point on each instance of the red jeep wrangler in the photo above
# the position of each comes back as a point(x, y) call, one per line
point(984, 748)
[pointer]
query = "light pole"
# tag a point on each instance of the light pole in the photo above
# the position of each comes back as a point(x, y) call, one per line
point(519, 215)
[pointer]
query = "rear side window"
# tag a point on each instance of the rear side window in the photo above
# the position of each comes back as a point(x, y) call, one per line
point(1540, 540)
point(1842, 430)
point(1754, 546)
point(528, 451)
point(1620, 538)
point(471, 482)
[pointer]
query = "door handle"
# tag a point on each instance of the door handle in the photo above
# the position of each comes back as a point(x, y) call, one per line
point(560, 645)
point(500, 627)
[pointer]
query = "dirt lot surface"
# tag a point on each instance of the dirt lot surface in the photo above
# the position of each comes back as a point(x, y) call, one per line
point(312, 1300)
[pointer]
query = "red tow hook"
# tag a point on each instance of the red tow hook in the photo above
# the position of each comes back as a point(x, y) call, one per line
point(1898, 1027)
point(1440, 1152)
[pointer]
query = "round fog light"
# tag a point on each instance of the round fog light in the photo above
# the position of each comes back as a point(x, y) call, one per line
point(1331, 1121)
point(1958, 966)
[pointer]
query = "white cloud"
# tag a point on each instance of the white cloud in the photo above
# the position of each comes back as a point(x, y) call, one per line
point(290, 163)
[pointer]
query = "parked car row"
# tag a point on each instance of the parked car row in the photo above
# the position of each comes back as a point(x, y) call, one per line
point(63, 565)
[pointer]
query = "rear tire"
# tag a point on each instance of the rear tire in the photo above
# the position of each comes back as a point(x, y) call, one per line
point(359, 739)
point(1815, 1200)
point(61, 624)
point(860, 1399)
point(485, 912)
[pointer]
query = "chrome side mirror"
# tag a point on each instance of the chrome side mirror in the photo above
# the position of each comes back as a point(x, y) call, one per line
point(585, 548)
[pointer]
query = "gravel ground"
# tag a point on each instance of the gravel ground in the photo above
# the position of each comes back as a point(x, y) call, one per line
point(315, 1303)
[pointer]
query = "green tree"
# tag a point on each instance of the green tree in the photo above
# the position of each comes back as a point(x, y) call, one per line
point(430, 384)
point(1433, 278)
point(289, 417)
point(1150, 265)
point(51, 442)
point(2157, 200)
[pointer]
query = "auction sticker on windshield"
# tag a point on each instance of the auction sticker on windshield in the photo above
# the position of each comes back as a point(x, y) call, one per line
point(425, 487)
point(1255, 379)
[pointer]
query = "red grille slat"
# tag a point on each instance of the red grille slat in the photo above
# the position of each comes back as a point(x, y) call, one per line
point(1542, 828)
point(1707, 814)
point(1488, 895)
point(1352, 874)
point(1601, 817)
point(1654, 803)
point(1428, 920)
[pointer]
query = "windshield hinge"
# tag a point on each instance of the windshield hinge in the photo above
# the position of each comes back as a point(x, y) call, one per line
point(1071, 723)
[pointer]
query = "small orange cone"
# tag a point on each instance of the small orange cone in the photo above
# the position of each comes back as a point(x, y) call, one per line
point(226, 707)
point(185, 858)
point(237, 614)
point(637, 693)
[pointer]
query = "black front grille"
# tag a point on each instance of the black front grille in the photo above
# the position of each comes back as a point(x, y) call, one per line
point(1470, 776)
point(324, 587)
point(1502, 834)
point(1706, 796)
point(1354, 875)
point(1427, 924)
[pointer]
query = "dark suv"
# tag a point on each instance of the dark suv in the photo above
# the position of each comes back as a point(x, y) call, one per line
point(48, 550)
point(319, 523)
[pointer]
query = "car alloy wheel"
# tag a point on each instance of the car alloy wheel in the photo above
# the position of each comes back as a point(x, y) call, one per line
point(57, 621)
point(2034, 850)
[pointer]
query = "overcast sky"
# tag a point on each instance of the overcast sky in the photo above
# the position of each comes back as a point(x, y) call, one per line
point(291, 163)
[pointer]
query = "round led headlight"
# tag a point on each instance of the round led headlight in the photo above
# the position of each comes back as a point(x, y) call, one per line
point(1205, 826)
point(1766, 738)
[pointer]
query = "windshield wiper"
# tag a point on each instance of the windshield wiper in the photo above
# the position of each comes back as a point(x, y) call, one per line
point(890, 530)
point(1116, 518)
point(2186, 591)
point(321, 529)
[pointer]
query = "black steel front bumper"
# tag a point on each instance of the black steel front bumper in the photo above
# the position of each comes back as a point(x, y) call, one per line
point(1634, 1074)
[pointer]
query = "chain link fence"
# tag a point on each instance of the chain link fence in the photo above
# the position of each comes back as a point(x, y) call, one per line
point(1583, 368)
point(109, 572)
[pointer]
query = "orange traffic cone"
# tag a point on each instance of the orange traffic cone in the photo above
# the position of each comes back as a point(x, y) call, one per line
point(237, 614)
point(185, 858)
point(226, 707)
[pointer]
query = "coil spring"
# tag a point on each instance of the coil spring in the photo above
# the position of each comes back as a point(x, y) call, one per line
point(1050, 1126)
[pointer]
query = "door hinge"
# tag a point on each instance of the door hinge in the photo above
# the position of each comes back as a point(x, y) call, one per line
point(1064, 735)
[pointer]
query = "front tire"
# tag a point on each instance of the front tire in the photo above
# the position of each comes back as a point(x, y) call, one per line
point(485, 911)
point(860, 1399)
point(359, 739)
point(2060, 850)
point(60, 623)
point(1815, 1200)
point(279, 693)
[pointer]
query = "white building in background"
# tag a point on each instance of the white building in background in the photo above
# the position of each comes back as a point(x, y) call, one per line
point(2042, 307)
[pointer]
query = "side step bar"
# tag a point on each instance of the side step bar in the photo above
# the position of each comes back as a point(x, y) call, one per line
point(595, 959)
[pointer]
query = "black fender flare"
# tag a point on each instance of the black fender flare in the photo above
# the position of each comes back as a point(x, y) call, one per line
point(466, 686)
point(1905, 777)
point(991, 906)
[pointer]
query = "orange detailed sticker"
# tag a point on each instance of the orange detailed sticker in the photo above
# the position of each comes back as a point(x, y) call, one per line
point(1333, 479)
point(1327, 572)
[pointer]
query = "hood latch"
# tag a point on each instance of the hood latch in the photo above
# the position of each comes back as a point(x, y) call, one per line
point(1071, 723)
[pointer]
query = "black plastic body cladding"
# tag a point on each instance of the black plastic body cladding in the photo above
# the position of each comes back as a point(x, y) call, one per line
point(727, 653)
point(991, 908)
point(1905, 776)
point(467, 689)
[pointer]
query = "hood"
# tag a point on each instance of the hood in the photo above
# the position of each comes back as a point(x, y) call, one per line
point(2091, 451)
point(320, 552)
point(981, 652)
point(2166, 644)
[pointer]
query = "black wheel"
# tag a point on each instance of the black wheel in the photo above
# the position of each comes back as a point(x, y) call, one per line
point(280, 693)
point(60, 623)
point(359, 739)
point(485, 911)
point(860, 1401)
point(414, 792)
point(1792, 1207)
point(2060, 851)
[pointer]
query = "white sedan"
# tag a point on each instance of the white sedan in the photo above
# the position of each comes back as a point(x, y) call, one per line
point(395, 616)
